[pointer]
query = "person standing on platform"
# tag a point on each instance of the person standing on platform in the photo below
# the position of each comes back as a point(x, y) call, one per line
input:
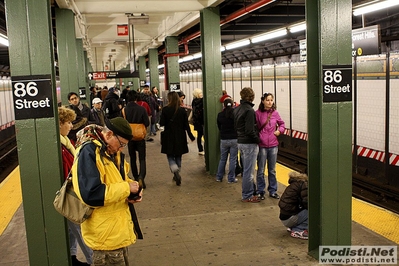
point(270, 126)
point(294, 205)
point(66, 116)
point(100, 180)
point(173, 138)
point(136, 114)
point(82, 114)
point(111, 104)
point(97, 115)
point(198, 118)
point(228, 142)
point(247, 141)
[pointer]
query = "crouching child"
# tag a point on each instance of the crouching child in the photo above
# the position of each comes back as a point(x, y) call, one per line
point(294, 206)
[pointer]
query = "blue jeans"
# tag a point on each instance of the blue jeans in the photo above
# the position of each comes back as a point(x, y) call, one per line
point(269, 154)
point(248, 153)
point(75, 237)
point(227, 146)
point(174, 162)
point(298, 222)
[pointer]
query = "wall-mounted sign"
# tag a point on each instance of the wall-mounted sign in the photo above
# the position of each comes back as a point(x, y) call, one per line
point(302, 50)
point(174, 86)
point(366, 41)
point(122, 30)
point(337, 83)
point(32, 97)
point(112, 75)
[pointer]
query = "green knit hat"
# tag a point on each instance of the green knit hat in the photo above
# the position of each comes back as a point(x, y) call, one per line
point(120, 127)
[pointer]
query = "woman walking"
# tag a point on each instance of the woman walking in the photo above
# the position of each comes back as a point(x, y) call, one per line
point(270, 126)
point(173, 138)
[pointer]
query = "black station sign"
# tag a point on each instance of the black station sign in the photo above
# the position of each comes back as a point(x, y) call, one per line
point(112, 75)
point(32, 97)
point(366, 41)
point(337, 83)
point(174, 86)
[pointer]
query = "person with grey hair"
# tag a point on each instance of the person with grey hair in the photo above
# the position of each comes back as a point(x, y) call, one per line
point(247, 142)
point(100, 180)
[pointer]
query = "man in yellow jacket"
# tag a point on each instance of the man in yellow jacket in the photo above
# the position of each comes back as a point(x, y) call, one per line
point(100, 179)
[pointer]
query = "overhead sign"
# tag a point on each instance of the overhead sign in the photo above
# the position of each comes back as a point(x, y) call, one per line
point(366, 41)
point(337, 83)
point(32, 97)
point(112, 75)
point(122, 30)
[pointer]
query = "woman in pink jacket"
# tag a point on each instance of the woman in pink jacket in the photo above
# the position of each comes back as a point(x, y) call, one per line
point(270, 126)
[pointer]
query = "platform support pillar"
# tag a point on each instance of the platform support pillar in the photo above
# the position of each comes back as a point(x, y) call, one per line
point(31, 54)
point(153, 66)
point(329, 41)
point(212, 83)
point(171, 69)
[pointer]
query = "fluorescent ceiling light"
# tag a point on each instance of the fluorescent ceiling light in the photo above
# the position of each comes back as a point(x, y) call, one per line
point(4, 40)
point(234, 45)
point(135, 20)
point(374, 7)
point(186, 58)
point(298, 27)
point(268, 35)
point(197, 55)
point(161, 66)
point(222, 48)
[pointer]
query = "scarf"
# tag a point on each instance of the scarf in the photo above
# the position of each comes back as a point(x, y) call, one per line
point(67, 143)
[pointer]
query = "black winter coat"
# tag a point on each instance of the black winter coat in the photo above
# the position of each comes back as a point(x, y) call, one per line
point(174, 139)
point(295, 196)
point(245, 124)
point(198, 113)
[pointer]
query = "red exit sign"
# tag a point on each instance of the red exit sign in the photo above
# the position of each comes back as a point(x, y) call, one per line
point(99, 75)
point(122, 30)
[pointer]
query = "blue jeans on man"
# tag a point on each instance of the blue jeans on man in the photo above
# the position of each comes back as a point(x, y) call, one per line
point(227, 146)
point(269, 154)
point(248, 153)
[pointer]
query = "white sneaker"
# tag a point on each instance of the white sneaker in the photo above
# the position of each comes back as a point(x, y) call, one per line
point(201, 153)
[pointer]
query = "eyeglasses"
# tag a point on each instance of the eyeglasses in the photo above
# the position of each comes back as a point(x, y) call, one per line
point(121, 144)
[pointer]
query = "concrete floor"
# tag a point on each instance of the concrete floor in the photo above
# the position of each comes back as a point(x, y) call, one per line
point(202, 222)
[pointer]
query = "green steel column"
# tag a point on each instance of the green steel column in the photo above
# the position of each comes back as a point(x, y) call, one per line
point(212, 83)
point(172, 62)
point(67, 52)
point(142, 67)
point(81, 70)
point(88, 68)
point(31, 54)
point(153, 65)
point(135, 84)
point(328, 33)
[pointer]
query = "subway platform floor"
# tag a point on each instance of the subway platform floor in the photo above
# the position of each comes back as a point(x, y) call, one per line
point(201, 222)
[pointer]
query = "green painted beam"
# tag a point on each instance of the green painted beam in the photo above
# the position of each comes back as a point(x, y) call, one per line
point(29, 31)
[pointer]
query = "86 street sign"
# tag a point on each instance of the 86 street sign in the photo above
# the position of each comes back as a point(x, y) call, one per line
point(337, 83)
point(32, 97)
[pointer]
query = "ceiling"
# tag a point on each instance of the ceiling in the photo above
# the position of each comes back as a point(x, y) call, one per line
point(96, 21)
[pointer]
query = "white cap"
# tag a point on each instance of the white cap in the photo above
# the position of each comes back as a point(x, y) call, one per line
point(96, 100)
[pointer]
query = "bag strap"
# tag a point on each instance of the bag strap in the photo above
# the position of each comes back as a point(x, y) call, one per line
point(123, 112)
point(267, 120)
point(133, 214)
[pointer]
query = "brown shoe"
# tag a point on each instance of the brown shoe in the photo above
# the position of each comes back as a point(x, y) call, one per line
point(253, 199)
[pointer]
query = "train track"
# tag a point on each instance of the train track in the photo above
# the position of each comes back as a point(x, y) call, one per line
point(363, 187)
point(8, 157)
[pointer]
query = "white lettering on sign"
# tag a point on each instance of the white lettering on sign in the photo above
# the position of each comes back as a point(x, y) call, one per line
point(25, 104)
point(99, 75)
point(337, 89)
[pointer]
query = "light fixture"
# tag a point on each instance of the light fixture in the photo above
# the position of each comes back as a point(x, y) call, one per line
point(197, 55)
point(297, 27)
point(4, 40)
point(222, 48)
point(363, 9)
point(269, 35)
point(161, 66)
point(141, 19)
point(240, 43)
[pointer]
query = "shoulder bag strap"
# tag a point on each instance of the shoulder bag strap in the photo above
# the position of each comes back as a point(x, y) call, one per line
point(267, 120)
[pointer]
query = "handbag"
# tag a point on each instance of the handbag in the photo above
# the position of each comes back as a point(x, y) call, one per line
point(67, 203)
point(139, 131)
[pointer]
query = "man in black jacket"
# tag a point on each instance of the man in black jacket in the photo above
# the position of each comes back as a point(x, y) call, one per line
point(247, 141)
point(136, 114)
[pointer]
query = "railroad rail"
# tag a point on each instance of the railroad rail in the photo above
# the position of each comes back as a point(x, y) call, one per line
point(8, 157)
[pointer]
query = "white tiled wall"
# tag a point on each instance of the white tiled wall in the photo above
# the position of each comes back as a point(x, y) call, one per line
point(299, 105)
point(394, 117)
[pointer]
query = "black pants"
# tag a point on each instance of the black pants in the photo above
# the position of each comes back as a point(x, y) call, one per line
point(140, 148)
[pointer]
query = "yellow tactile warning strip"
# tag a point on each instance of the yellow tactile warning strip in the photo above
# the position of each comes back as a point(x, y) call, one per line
point(11, 198)
point(376, 219)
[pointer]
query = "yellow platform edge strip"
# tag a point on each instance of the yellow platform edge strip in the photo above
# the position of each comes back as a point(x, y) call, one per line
point(378, 220)
point(11, 198)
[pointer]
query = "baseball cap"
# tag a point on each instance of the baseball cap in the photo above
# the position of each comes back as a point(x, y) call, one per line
point(96, 100)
